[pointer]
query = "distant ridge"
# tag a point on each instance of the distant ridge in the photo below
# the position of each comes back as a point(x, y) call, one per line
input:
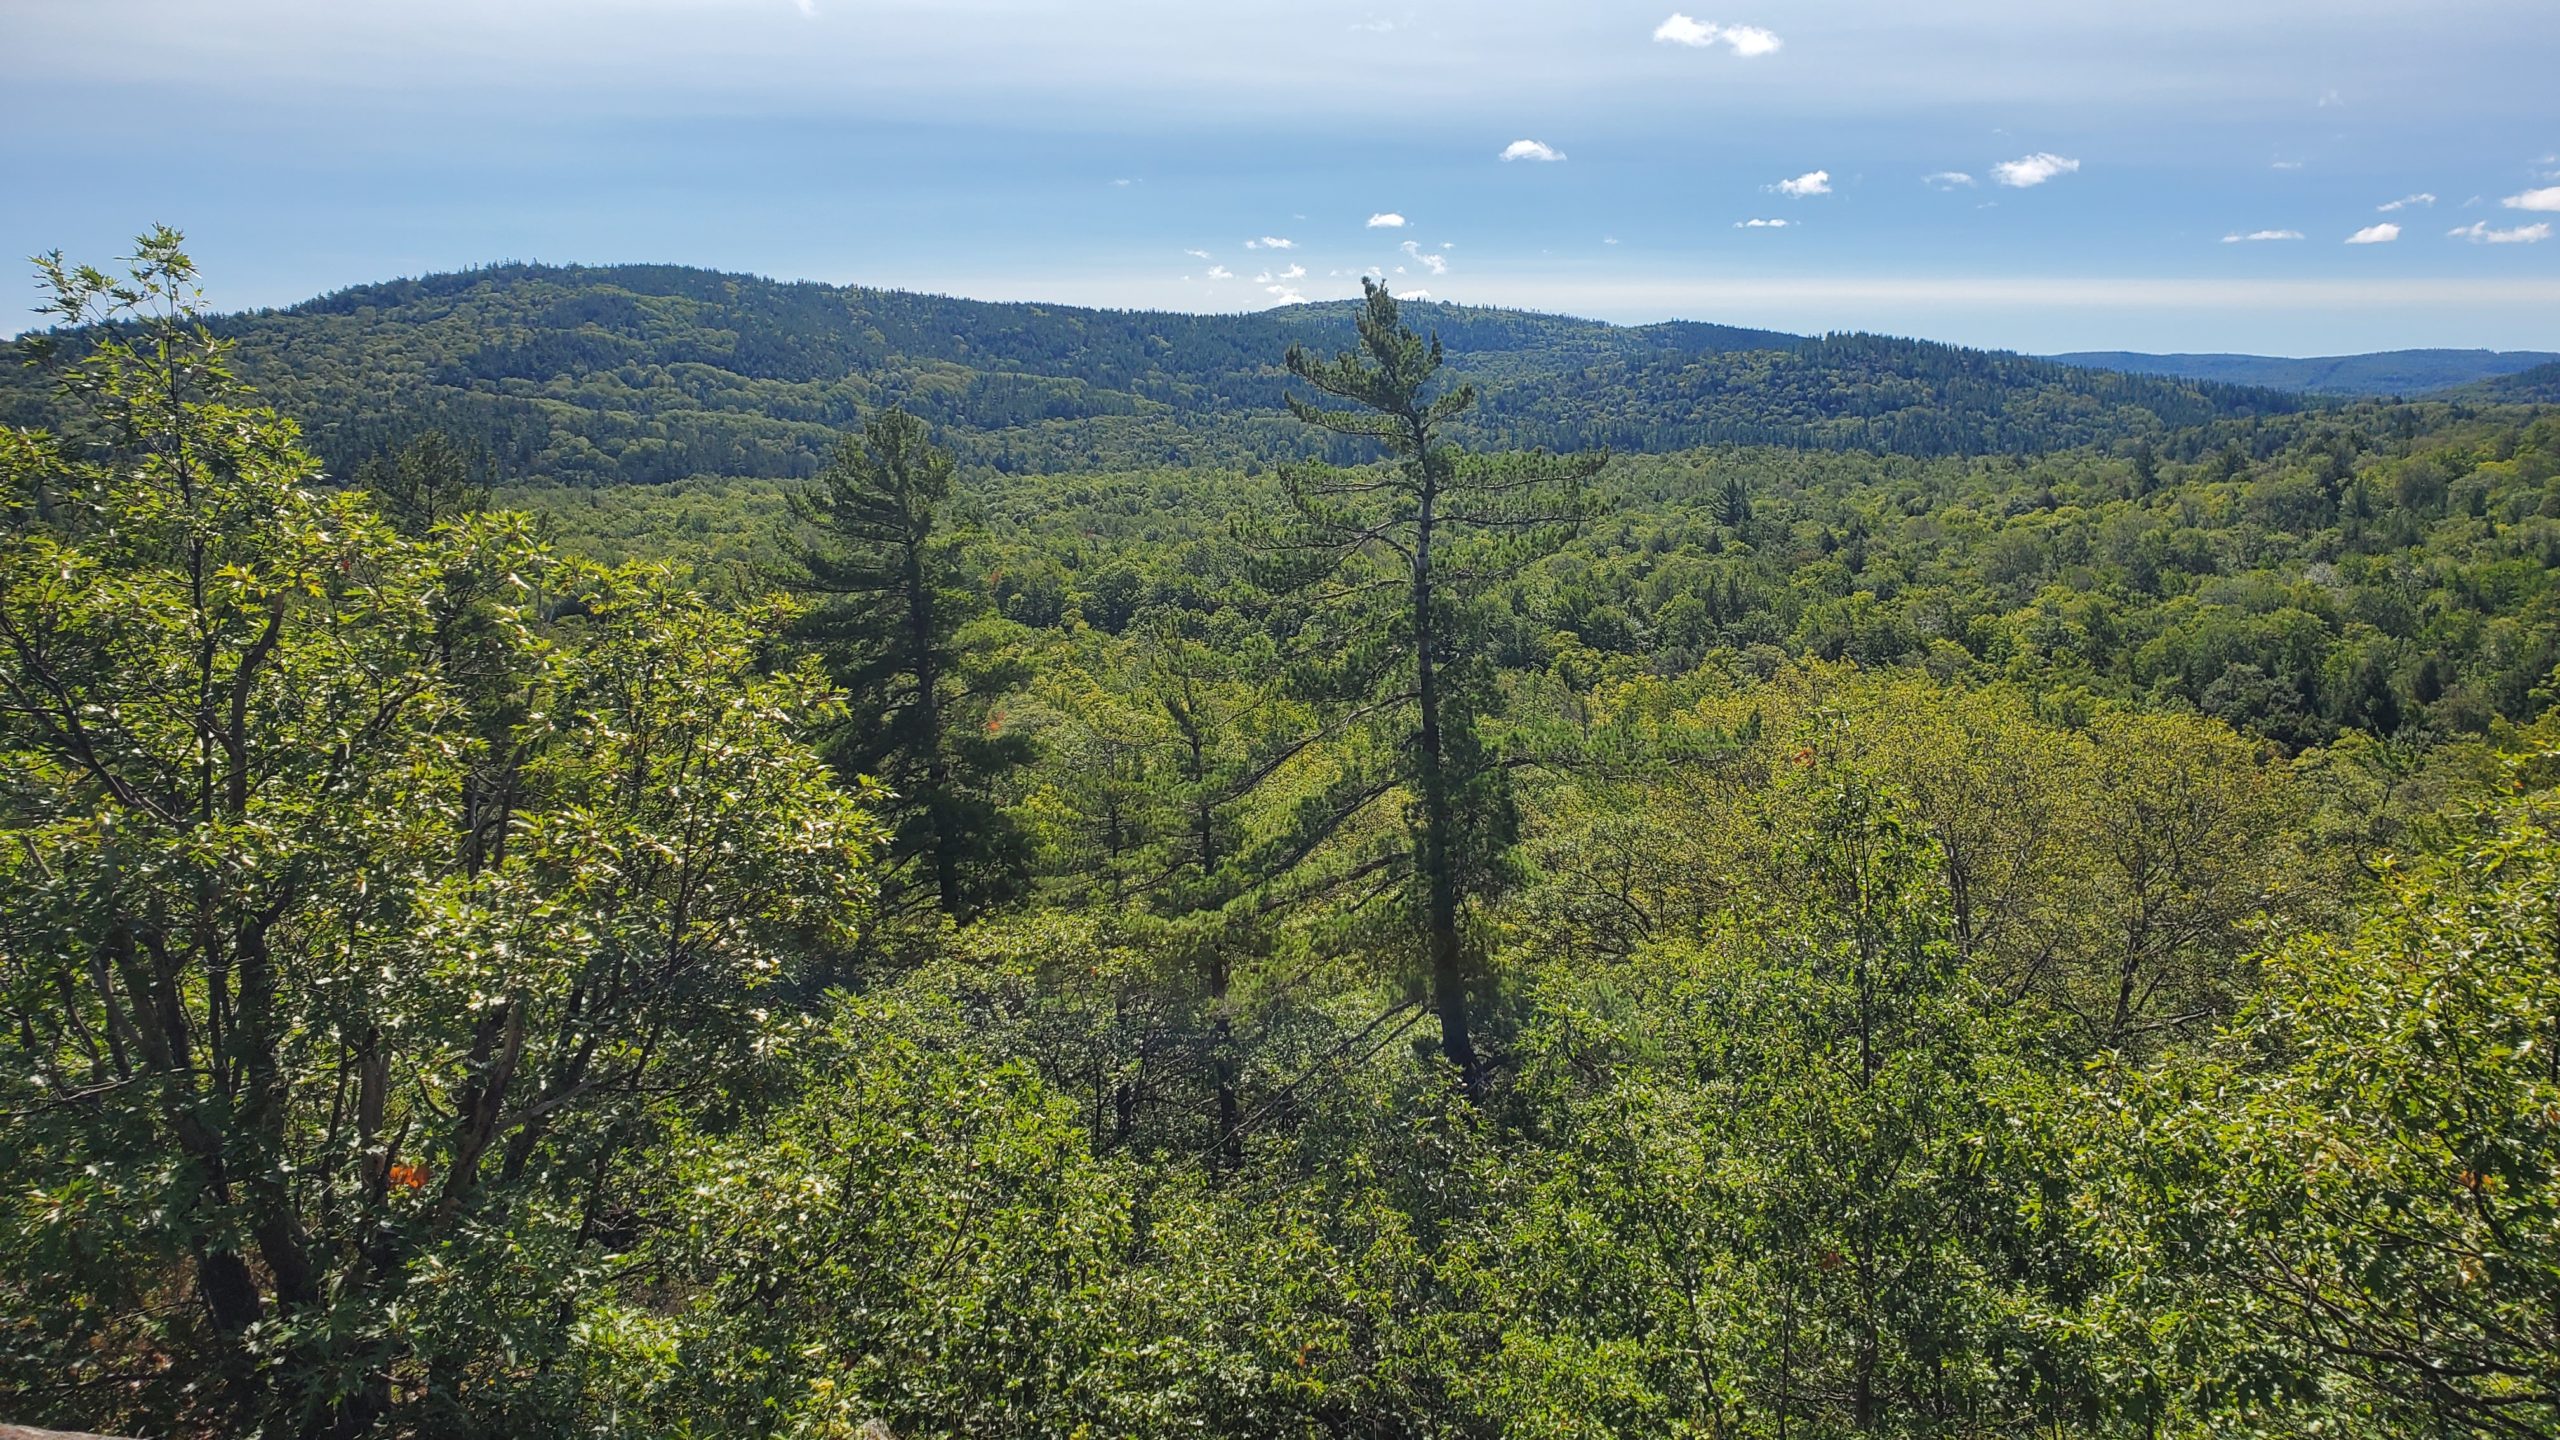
point(646, 373)
point(2381, 374)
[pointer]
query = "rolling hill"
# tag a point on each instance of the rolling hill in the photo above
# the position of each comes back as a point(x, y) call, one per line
point(651, 373)
point(2383, 373)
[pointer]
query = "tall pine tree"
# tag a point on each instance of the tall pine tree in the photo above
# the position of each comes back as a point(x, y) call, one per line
point(1391, 561)
point(873, 545)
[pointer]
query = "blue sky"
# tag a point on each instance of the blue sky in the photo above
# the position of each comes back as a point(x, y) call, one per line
point(2071, 174)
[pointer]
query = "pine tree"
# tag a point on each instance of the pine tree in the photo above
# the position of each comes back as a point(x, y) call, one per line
point(1390, 560)
point(428, 482)
point(872, 543)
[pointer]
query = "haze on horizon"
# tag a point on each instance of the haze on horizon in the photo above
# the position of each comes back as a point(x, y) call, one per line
point(2283, 178)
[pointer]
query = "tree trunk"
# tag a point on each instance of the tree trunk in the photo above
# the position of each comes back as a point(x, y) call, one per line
point(1439, 864)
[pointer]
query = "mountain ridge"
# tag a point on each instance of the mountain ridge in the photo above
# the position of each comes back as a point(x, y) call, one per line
point(2375, 374)
point(642, 373)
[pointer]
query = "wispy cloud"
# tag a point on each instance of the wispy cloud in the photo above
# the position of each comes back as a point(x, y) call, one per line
point(2479, 233)
point(1197, 254)
point(2546, 199)
point(1285, 295)
point(2419, 201)
point(1271, 242)
point(1386, 220)
point(1433, 263)
point(1221, 272)
point(2382, 234)
point(1531, 150)
point(2284, 164)
point(1743, 40)
point(2239, 239)
point(1294, 272)
point(1948, 180)
point(2031, 170)
point(808, 8)
point(1762, 224)
point(1811, 182)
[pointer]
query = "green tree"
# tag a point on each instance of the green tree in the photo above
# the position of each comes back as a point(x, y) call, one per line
point(321, 1086)
point(873, 543)
point(1391, 559)
point(433, 480)
point(2347, 1211)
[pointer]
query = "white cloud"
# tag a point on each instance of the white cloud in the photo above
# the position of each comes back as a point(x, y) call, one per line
point(1271, 242)
point(1294, 272)
point(2382, 234)
point(1386, 220)
point(1750, 40)
point(1743, 40)
point(2284, 164)
point(1531, 150)
point(2534, 200)
point(1262, 279)
point(2405, 202)
point(1413, 294)
point(2238, 239)
point(1221, 272)
point(1681, 30)
point(1811, 182)
point(2033, 169)
point(1287, 296)
point(1762, 224)
point(1197, 254)
point(2479, 233)
point(1948, 180)
point(1608, 239)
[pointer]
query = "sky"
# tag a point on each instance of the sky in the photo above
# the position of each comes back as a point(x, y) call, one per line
point(2288, 177)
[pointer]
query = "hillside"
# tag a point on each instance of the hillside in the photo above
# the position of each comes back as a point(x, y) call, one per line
point(2537, 386)
point(2383, 373)
point(654, 373)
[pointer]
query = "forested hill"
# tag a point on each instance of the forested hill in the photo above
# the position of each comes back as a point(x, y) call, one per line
point(2383, 373)
point(651, 373)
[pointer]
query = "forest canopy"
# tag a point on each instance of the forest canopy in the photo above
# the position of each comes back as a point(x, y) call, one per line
point(2008, 910)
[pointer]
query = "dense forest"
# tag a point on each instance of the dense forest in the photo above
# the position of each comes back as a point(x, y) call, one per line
point(1957, 906)
point(655, 373)
point(2387, 374)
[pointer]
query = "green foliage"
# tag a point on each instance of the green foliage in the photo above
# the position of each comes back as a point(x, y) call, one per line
point(645, 374)
point(369, 902)
point(2350, 1205)
point(924, 684)
point(1943, 946)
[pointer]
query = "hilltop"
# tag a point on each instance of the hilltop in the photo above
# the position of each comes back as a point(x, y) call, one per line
point(647, 373)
